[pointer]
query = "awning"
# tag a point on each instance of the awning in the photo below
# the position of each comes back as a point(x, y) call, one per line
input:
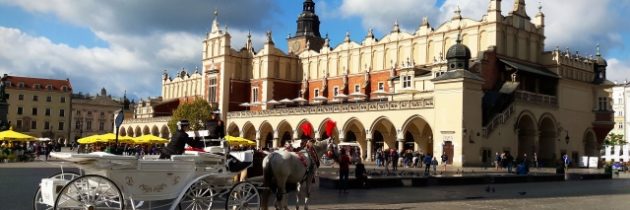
point(530, 69)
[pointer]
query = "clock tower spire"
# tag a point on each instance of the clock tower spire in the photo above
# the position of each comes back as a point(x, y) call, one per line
point(307, 30)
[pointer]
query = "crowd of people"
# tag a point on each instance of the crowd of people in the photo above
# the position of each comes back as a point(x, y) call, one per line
point(19, 151)
point(409, 159)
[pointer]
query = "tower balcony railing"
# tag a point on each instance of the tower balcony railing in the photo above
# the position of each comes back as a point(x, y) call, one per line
point(422, 103)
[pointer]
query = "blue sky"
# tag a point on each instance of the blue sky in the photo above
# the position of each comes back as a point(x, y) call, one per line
point(126, 44)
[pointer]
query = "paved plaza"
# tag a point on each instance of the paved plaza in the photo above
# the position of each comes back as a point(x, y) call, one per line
point(22, 180)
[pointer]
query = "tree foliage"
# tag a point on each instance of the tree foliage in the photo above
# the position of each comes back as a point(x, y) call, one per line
point(197, 111)
point(614, 139)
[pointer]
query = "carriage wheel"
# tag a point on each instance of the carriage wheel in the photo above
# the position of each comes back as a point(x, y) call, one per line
point(243, 195)
point(198, 196)
point(38, 202)
point(90, 192)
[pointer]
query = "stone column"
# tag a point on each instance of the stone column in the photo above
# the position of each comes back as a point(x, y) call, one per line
point(275, 142)
point(401, 144)
point(369, 149)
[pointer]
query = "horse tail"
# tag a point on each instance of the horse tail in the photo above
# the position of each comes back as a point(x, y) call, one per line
point(268, 173)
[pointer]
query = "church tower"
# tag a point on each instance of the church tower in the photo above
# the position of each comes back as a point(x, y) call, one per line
point(307, 31)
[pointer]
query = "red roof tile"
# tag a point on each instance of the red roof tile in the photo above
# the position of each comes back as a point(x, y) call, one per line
point(30, 83)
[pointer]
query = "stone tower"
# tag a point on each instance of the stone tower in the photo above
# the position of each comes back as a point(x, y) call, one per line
point(307, 31)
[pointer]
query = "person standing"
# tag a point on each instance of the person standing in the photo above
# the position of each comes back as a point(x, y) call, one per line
point(427, 164)
point(215, 127)
point(536, 161)
point(497, 161)
point(566, 161)
point(394, 155)
point(360, 173)
point(444, 160)
point(509, 160)
point(344, 171)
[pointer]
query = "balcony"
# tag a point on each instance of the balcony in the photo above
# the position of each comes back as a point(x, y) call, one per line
point(423, 103)
point(536, 98)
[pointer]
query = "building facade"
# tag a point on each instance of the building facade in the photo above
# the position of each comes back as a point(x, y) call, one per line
point(621, 96)
point(467, 88)
point(39, 107)
point(93, 115)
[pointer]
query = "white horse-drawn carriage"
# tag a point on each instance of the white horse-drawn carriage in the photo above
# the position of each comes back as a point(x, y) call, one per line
point(193, 180)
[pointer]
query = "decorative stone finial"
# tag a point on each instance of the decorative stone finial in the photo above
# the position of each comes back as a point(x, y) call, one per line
point(370, 33)
point(347, 38)
point(269, 39)
point(396, 28)
point(458, 13)
point(597, 52)
point(425, 21)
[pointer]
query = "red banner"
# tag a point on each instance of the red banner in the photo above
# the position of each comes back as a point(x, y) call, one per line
point(330, 126)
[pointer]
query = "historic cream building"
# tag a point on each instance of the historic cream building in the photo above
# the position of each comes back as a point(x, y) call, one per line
point(39, 107)
point(620, 100)
point(468, 87)
point(93, 115)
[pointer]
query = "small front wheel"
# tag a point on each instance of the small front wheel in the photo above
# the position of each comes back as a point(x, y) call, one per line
point(243, 195)
point(38, 201)
point(198, 196)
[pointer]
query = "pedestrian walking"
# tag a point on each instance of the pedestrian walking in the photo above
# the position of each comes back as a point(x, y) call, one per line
point(497, 161)
point(427, 164)
point(394, 156)
point(434, 164)
point(509, 160)
point(536, 161)
point(344, 171)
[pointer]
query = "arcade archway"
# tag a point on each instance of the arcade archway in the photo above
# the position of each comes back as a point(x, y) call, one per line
point(384, 131)
point(547, 141)
point(526, 136)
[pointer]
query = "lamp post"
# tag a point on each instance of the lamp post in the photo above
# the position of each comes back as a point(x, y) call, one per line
point(566, 139)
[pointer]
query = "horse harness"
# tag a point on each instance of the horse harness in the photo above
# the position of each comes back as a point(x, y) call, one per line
point(314, 161)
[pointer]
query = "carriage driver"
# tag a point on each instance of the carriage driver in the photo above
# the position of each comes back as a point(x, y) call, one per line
point(179, 140)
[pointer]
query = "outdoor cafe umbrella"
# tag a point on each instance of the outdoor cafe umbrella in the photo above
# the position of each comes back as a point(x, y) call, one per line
point(110, 137)
point(272, 102)
point(299, 100)
point(320, 98)
point(10, 135)
point(90, 140)
point(236, 141)
point(149, 139)
point(286, 101)
point(43, 139)
point(245, 104)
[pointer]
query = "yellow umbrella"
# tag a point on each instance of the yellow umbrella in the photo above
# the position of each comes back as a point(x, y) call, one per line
point(110, 137)
point(149, 139)
point(236, 141)
point(90, 140)
point(10, 135)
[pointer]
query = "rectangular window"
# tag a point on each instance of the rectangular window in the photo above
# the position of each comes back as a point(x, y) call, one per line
point(77, 125)
point(20, 111)
point(316, 92)
point(48, 98)
point(62, 113)
point(60, 126)
point(381, 86)
point(88, 125)
point(255, 95)
point(34, 112)
point(46, 125)
point(101, 125)
point(406, 82)
point(63, 99)
point(357, 88)
point(621, 151)
point(18, 124)
point(213, 90)
point(612, 150)
point(33, 125)
point(335, 91)
point(21, 97)
point(47, 112)
point(35, 98)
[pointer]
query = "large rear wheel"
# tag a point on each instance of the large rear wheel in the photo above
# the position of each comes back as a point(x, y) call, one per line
point(90, 192)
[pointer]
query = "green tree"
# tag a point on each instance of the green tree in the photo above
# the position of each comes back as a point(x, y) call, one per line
point(197, 111)
point(614, 139)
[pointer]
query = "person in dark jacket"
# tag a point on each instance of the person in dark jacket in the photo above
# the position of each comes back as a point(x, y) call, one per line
point(360, 173)
point(179, 140)
point(215, 127)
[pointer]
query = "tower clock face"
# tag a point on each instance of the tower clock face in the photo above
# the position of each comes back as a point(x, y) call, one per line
point(296, 47)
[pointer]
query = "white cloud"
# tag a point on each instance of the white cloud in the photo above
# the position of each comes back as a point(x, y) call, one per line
point(618, 70)
point(381, 15)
